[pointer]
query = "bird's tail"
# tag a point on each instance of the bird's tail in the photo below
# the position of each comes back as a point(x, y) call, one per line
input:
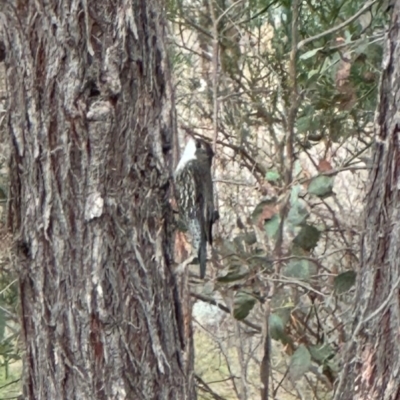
point(202, 258)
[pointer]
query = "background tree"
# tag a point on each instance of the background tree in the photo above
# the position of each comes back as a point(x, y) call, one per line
point(287, 92)
point(371, 360)
point(91, 118)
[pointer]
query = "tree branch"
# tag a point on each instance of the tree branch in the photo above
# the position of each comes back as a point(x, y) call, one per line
point(366, 7)
point(223, 308)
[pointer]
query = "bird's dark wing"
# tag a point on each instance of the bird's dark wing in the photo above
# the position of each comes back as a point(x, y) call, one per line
point(191, 205)
point(209, 212)
point(190, 198)
point(208, 204)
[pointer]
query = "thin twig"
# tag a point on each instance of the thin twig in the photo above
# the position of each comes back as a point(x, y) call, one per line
point(288, 158)
point(223, 308)
point(215, 63)
point(226, 11)
point(366, 7)
point(205, 387)
point(266, 360)
point(10, 383)
point(242, 365)
point(9, 285)
point(232, 182)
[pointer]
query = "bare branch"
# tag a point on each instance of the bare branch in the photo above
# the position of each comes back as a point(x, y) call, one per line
point(223, 308)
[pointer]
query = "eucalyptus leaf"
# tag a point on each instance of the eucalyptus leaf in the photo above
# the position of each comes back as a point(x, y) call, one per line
point(304, 123)
point(312, 73)
point(272, 176)
point(307, 238)
point(233, 273)
point(300, 269)
point(321, 353)
point(297, 168)
point(260, 208)
point(310, 53)
point(300, 363)
point(272, 226)
point(276, 327)
point(344, 282)
point(321, 186)
point(242, 305)
point(249, 238)
point(227, 248)
point(294, 194)
point(298, 212)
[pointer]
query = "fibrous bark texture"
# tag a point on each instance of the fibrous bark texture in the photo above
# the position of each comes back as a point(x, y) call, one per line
point(371, 367)
point(91, 118)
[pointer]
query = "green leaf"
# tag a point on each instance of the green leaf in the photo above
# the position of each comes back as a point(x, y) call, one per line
point(233, 273)
point(304, 124)
point(298, 212)
point(312, 73)
point(330, 62)
point(276, 327)
point(307, 238)
point(299, 363)
point(344, 282)
point(294, 194)
point(361, 47)
point(310, 53)
point(250, 238)
point(209, 288)
point(227, 248)
point(243, 304)
point(259, 209)
point(321, 353)
point(300, 269)
point(272, 226)
point(315, 136)
point(261, 262)
point(272, 176)
point(321, 186)
point(239, 245)
point(297, 168)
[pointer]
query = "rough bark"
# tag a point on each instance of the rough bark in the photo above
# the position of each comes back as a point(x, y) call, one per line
point(91, 117)
point(371, 368)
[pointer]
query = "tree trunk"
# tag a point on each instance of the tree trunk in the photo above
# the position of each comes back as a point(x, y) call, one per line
point(371, 366)
point(91, 117)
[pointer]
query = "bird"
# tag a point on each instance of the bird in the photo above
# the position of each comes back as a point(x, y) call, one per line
point(195, 196)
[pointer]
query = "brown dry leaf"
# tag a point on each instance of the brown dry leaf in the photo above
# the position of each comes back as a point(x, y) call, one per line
point(369, 77)
point(348, 98)
point(324, 166)
point(267, 213)
point(343, 73)
point(347, 91)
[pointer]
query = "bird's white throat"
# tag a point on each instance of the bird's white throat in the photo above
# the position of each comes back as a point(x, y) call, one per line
point(189, 154)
